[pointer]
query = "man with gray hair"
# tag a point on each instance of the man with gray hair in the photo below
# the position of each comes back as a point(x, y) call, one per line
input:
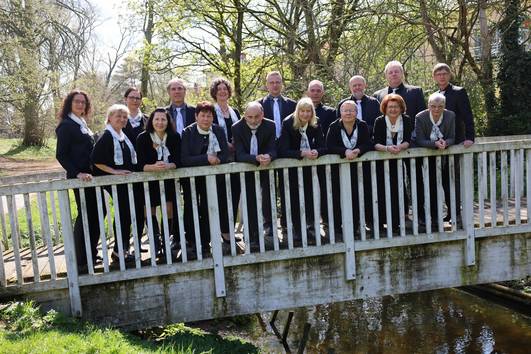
point(412, 95)
point(435, 129)
point(368, 107)
point(182, 114)
point(325, 114)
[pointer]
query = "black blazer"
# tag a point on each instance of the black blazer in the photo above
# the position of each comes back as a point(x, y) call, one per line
point(412, 95)
point(103, 153)
point(290, 140)
point(326, 116)
point(73, 148)
point(370, 109)
point(265, 134)
point(458, 102)
point(193, 146)
point(146, 153)
point(380, 131)
point(216, 121)
point(287, 106)
point(334, 142)
point(133, 133)
point(189, 115)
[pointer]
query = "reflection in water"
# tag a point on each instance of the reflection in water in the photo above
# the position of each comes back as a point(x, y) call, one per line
point(445, 321)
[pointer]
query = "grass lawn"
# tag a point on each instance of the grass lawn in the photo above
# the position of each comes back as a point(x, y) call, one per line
point(11, 148)
point(24, 329)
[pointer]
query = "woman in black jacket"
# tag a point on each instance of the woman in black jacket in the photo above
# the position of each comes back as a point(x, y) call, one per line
point(301, 137)
point(349, 138)
point(392, 134)
point(204, 144)
point(159, 149)
point(75, 143)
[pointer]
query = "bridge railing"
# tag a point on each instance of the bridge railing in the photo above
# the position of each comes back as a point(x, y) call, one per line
point(492, 179)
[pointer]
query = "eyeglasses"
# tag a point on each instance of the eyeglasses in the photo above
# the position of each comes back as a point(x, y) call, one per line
point(79, 102)
point(134, 98)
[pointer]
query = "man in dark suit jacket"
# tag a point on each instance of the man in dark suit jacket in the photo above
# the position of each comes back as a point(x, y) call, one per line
point(370, 107)
point(325, 114)
point(242, 133)
point(182, 114)
point(286, 105)
point(458, 102)
point(412, 95)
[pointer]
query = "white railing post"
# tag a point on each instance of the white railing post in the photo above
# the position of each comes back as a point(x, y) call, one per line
point(70, 253)
point(347, 221)
point(215, 235)
point(467, 190)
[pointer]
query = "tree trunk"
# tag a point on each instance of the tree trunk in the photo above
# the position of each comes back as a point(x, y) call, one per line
point(148, 37)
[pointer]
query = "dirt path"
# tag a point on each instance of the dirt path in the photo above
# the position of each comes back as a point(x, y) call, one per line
point(17, 167)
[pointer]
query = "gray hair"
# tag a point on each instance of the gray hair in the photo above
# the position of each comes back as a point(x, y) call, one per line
point(349, 102)
point(316, 82)
point(116, 108)
point(254, 104)
point(441, 67)
point(175, 80)
point(357, 77)
point(272, 73)
point(437, 97)
point(393, 63)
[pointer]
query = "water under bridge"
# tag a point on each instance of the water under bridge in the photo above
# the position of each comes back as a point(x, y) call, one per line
point(492, 243)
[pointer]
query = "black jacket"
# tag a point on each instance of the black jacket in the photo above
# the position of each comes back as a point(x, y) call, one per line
point(103, 154)
point(326, 116)
point(133, 133)
point(147, 155)
point(265, 135)
point(370, 109)
point(287, 106)
point(189, 115)
point(457, 101)
point(380, 131)
point(412, 95)
point(290, 140)
point(194, 145)
point(73, 148)
point(334, 142)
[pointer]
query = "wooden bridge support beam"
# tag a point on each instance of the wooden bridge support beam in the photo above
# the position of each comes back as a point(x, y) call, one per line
point(467, 199)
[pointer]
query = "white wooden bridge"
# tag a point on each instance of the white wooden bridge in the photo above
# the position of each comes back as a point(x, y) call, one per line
point(492, 244)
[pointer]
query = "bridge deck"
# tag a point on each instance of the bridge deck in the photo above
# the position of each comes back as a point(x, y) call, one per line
point(44, 265)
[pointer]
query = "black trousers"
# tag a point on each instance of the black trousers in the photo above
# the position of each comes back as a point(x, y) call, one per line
point(253, 209)
point(433, 185)
point(393, 179)
point(93, 226)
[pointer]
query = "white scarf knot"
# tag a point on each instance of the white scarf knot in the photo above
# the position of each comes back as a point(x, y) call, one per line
point(213, 143)
point(350, 143)
point(137, 120)
point(221, 118)
point(436, 133)
point(162, 150)
point(397, 128)
point(118, 153)
point(82, 124)
point(305, 142)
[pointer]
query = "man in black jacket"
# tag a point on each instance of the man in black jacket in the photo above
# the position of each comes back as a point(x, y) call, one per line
point(412, 95)
point(276, 107)
point(368, 107)
point(255, 142)
point(325, 114)
point(181, 113)
point(458, 102)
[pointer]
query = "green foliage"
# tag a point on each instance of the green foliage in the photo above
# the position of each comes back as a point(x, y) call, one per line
point(13, 148)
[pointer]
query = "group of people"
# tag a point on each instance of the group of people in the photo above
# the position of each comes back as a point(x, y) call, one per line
point(393, 119)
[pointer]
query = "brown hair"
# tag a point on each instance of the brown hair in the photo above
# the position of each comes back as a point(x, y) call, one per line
point(66, 107)
point(205, 106)
point(392, 97)
point(214, 87)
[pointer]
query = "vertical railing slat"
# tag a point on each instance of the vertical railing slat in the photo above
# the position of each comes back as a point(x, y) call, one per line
point(232, 236)
point(427, 202)
point(245, 213)
point(453, 207)
point(151, 236)
point(45, 230)
point(136, 244)
point(346, 218)
point(195, 213)
point(374, 191)
point(56, 234)
point(258, 193)
point(361, 200)
point(33, 244)
point(492, 167)
point(165, 225)
point(512, 173)
point(388, 212)
point(401, 208)
point(316, 206)
point(70, 253)
point(180, 218)
point(3, 278)
point(273, 195)
point(14, 237)
point(414, 206)
point(117, 222)
point(3, 224)
point(517, 188)
point(467, 186)
point(528, 185)
point(481, 190)
point(302, 213)
point(440, 193)
point(505, 188)
point(215, 239)
point(103, 237)
point(330, 205)
point(86, 234)
point(289, 222)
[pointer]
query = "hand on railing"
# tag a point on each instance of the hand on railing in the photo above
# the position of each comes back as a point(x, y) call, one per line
point(310, 154)
point(351, 154)
point(213, 160)
point(263, 159)
point(468, 143)
point(441, 144)
point(84, 176)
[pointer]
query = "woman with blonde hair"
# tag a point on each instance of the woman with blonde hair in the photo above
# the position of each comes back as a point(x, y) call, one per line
point(302, 137)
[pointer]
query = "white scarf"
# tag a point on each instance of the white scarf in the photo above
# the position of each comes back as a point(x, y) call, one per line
point(350, 143)
point(305, 142)
point(436, 133)
point(82, 124)
point(213, 143)
point(162, 150)
point(398, 128)
point(221, 118)
point(118, 153)
point(136, 121)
